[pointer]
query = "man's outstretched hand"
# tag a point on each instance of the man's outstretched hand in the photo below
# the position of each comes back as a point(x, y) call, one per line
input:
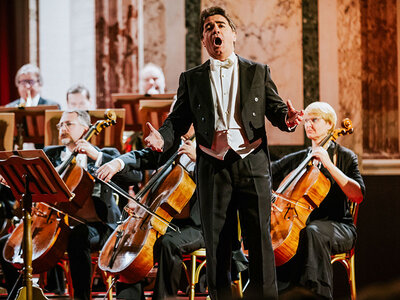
point(294, 117)
point(154, 140)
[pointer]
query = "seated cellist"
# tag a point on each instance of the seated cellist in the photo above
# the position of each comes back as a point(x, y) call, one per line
point(330, 228)
point(89, 236)
point(169, 248)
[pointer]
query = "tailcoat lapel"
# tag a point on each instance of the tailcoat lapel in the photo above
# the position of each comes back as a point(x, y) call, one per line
point(246, 77)
point(203, 86)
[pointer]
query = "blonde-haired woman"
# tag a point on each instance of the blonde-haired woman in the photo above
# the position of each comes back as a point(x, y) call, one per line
point(330, 228)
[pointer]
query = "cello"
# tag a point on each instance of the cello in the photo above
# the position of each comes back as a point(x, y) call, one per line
point(50, 223)
point(128, 252)
point(297, 196)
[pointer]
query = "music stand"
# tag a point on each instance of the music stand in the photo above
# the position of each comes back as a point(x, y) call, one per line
point(29, 123)
point(31, 178)
point(133, 120)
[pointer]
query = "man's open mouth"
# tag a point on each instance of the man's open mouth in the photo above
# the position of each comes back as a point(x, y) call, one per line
point(218, 41)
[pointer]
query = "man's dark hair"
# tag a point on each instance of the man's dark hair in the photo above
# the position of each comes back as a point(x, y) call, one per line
point(211, 11)
point(78, 89)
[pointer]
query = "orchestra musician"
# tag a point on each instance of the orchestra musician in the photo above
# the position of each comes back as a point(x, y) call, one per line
point(330, 228)
point(29, 82)
point(151, 80)
point(169, 247)
point(227, 99)
point(89, 236)
point(78, 97)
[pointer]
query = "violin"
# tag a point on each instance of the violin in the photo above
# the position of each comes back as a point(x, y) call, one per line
point(50, 223)
point(128, 252)
point(297, 196)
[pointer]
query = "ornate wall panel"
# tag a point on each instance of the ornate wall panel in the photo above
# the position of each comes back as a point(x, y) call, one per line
point(350, 70)
point(379, 79)
point(270, 32)
point(154, 32)
point(117, 49)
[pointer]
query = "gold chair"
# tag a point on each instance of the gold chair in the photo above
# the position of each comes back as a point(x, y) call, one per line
point(347, 259)
point(195, 269)
point(107, 279)
point(198, 261)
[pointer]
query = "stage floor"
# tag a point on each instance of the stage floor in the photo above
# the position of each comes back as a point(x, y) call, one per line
point(100, 296)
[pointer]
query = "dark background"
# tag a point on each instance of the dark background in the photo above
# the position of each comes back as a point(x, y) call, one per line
point(378, 244)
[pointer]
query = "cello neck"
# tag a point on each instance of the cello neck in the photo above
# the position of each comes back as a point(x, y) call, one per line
point(87, 136)
point(301, 169)
point(298, 172)
point(96, 128)
point(153, 180)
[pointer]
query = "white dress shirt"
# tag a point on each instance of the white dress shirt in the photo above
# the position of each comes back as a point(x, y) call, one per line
point(229, 132)
point(81, 159)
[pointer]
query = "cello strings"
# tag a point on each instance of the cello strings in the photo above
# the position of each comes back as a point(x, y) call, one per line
point(117, 189)
point(298, 204)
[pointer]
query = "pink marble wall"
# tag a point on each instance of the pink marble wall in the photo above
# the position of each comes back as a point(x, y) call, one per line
point(349, 70)
point(164, 38)
point(270, 32)
point(116, 49)
point(154, 32)
point(380, 79)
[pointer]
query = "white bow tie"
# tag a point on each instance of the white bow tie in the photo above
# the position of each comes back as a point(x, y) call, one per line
point(215, 64)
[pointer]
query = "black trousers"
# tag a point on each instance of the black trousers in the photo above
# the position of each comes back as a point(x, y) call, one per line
point(225, 187)
point(167, 251)
point(10, 273)
point(84, 239)
point(311, 266)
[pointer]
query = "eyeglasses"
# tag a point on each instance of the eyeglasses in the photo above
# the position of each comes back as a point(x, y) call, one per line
point(312, 120)
point(25, 82)
point(67, 125)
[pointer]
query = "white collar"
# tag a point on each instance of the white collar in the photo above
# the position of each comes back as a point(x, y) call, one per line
point(227, 63)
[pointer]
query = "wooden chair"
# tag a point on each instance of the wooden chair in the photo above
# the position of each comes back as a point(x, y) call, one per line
point(28, 124)
point(7, 124)
point(130, 102)
point(155, 112)
point(347, 259)
point(110, 137)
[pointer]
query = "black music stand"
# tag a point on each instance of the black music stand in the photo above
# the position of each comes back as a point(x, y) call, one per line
point(29, 123)
point(31, 178)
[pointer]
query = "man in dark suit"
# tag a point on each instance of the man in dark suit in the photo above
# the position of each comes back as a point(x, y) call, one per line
point(170, 247)
point(227, 99)
point(91, 235)
point(29, 82)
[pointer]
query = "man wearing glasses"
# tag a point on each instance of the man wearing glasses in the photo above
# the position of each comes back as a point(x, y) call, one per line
point(84, 237)
point(29, 82)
